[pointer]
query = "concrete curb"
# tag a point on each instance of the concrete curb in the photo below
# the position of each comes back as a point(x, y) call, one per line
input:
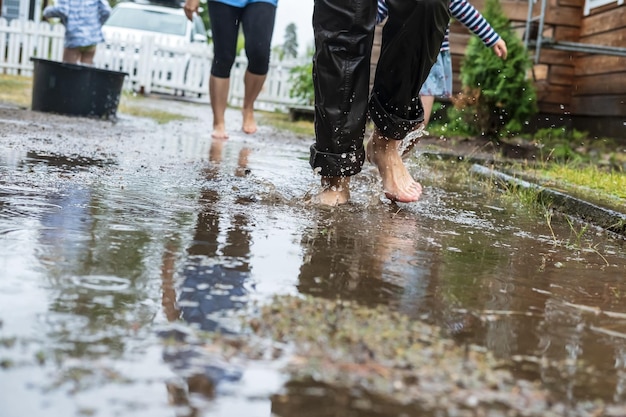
point(607, 219)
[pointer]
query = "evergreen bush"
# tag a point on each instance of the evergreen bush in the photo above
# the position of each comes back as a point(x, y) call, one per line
point(497, 97)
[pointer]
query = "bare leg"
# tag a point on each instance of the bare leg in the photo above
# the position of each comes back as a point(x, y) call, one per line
point(71, 55)
point(398, 184)
point(218, 93)
point(253, 85)
point(86, 57)
point(335, 191)
point(427, 104)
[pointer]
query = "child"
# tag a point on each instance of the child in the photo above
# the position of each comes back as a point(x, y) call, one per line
point(83, 20)
point(439, 81)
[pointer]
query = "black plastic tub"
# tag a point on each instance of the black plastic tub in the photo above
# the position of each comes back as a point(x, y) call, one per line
point(78, 90)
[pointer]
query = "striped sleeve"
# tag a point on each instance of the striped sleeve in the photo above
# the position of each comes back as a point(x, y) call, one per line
point(471, 18)
point(383, 11)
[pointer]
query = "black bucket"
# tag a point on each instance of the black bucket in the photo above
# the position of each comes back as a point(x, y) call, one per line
point(78, 90)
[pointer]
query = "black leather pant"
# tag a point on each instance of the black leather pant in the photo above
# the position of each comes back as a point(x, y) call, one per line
point(344, 33)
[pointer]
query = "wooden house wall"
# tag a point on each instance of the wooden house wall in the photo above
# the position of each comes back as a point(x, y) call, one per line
point(554, 74)
point(567, 83)
point(600, 80)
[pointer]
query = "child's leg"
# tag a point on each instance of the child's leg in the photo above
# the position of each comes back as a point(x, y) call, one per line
point(86, 54)
point(71, 55)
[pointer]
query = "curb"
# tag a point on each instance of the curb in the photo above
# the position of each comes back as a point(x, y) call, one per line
point(607, 219)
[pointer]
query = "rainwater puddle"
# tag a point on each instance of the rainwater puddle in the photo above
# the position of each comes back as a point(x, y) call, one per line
point(116, 242)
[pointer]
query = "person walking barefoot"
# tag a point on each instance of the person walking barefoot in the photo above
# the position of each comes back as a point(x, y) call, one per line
point(439, 81)
point(343, 32)
point(398, 184)
point(256, 18)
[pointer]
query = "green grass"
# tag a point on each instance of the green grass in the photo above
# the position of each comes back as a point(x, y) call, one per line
point(134, 106)
point(16, 90)
point(591, 177)
point(281, 121)
point(601, 186)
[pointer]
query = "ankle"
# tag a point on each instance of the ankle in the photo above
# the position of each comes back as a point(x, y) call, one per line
point(384, 145)
point(337, 184)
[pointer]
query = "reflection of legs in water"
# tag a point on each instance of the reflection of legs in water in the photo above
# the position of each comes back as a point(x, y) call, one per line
point(168, 291)
point(215, 156)
point(213, 284)
point(215, 151)
point(371, 265)
point(398, 184)
point(242, 163)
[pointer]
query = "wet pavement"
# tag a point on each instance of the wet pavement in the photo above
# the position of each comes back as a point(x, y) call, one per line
point(126, 247)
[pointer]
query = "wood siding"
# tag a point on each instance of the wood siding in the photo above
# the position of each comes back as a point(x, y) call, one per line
point(567, 83)
point(599, 87)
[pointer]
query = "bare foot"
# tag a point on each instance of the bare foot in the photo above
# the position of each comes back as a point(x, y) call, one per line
point(249, 124)
point(219, 132)
point(398, 184)
point(335, 191)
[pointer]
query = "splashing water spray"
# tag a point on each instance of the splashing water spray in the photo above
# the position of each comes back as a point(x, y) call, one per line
point(411, 137)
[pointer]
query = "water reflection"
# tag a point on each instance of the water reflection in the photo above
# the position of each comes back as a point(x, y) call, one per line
point(214, 277)
point(96, 252)
point(314, 399)
point(216, 268)
point(93, 270)
point(371, 258)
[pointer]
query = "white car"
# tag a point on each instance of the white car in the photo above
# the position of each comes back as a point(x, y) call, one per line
point(165, 20)
point(131, 22)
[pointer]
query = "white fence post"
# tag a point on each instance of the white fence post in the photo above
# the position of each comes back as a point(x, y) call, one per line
point(20, 40)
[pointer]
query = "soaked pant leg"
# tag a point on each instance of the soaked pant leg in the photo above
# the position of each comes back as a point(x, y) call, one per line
point(344, 33)
point(411, 41)
point(224, 30)
point(257, 22)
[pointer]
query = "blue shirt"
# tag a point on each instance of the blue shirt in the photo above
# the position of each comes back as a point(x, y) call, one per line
point(244, 3)
point(83, 20)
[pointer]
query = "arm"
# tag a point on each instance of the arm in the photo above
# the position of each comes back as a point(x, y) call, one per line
point(382, 12)
point(191, 7)
point(104, 11)
point(500, 48)
point(56, 11)
point(471, 18)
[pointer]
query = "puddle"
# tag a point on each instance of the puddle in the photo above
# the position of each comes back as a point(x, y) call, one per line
point(118, 237)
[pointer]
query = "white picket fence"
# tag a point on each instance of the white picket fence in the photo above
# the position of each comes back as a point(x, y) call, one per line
point(151, 64)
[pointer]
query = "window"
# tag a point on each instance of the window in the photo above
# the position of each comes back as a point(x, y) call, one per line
point(593, 4)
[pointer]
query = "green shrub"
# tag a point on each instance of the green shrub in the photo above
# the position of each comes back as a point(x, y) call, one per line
point(497, 97)
point(302, 84)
